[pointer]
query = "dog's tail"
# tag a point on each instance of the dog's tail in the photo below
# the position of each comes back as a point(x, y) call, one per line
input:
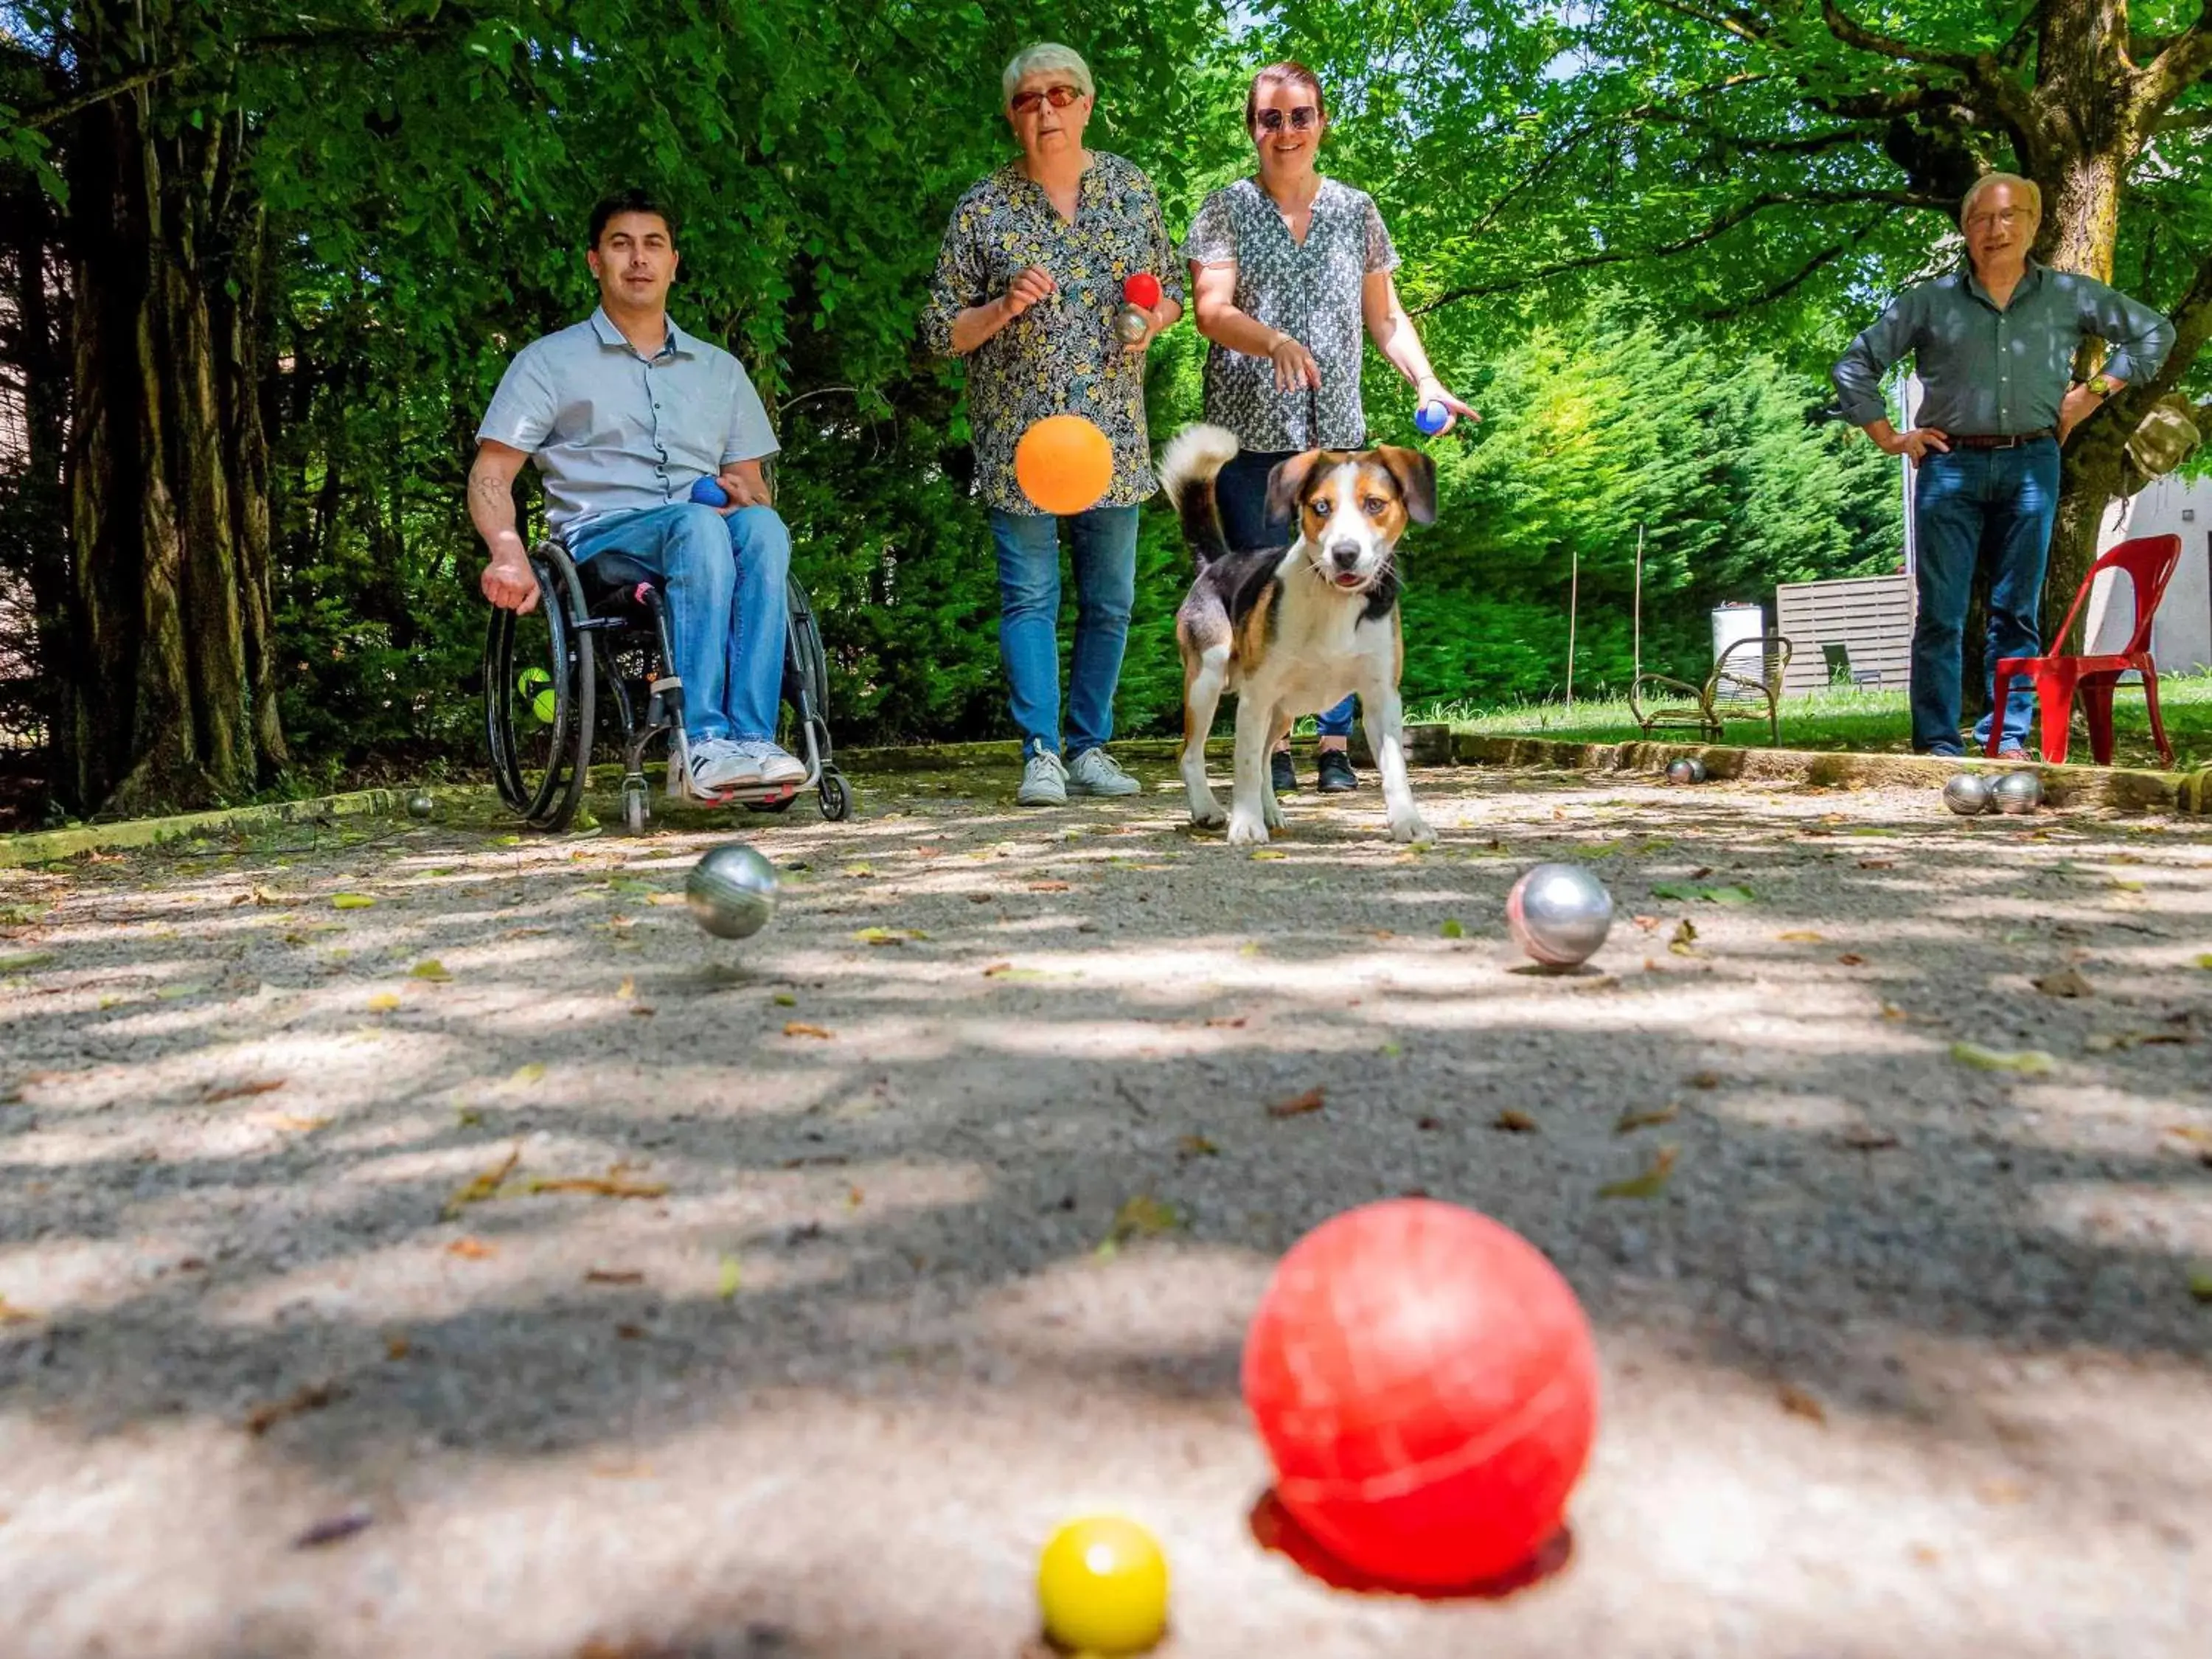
point(1187, 468)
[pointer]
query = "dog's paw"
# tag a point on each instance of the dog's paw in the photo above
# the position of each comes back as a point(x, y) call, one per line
point(1208, 814)
point(1245, 830)
point(1271, 812)
point(1410, 827)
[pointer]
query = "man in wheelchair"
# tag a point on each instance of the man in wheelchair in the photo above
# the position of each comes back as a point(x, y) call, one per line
point(624, 413)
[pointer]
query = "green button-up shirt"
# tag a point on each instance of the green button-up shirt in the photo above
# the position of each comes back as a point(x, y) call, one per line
point(1992, 373)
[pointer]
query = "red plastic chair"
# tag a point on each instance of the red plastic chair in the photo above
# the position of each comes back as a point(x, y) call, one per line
point(2149, 561)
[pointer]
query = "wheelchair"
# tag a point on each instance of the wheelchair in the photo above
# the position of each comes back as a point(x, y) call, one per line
point(600, 629)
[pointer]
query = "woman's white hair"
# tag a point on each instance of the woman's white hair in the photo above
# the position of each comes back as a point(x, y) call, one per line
point(2027, 188)
point(1046, 55)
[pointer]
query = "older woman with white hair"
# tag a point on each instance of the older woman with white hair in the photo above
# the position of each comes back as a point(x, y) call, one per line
point(1028, 284)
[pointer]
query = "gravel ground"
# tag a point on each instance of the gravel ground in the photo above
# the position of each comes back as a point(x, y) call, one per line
point(1903, 1359)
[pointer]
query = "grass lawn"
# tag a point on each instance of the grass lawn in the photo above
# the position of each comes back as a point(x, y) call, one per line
point(1868, 721)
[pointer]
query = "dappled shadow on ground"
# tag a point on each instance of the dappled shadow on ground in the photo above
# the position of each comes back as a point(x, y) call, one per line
point(980, 1153)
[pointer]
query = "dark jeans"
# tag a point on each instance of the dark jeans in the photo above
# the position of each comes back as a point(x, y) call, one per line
point(1976, 507)
point(1241, 492)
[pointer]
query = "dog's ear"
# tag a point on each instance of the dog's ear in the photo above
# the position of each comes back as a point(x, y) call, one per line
point(1284, 483)
point(1417, 480)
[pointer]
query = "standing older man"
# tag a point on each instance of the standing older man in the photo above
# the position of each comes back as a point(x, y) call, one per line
point(1994, 344)
point(1026, 286)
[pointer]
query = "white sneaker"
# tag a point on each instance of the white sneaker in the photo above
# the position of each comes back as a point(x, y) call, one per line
point(1044, 780)
point(717, 766)
point(1095, 772)
point(775, 764)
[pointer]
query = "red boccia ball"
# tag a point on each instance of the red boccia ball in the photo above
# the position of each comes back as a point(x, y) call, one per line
point(1426, 1386)
point(1142, 288)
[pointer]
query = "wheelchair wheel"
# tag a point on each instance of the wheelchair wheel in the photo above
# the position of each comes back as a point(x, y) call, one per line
point(805, 670)
point(837, 797)
point(538, 688)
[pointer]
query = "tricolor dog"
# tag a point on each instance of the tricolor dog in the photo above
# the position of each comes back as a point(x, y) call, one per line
point(1290, 630)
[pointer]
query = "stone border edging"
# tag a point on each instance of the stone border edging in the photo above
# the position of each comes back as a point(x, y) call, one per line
point(2126, 789)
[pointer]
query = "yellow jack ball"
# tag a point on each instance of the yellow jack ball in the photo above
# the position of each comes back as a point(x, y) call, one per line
point(1102, 1584)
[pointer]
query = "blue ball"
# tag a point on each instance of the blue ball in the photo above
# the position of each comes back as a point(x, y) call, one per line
point(1431, 417)
point(710, 494)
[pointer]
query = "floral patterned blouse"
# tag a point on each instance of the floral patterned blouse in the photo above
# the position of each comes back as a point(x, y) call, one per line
point(1060, 356)
point(1312, 292)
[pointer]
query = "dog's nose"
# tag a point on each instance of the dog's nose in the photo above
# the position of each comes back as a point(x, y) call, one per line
point(1344, 555)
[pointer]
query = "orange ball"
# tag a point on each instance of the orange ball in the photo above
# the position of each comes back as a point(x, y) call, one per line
point(1064, 464)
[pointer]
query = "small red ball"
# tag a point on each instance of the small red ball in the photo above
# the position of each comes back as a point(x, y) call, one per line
point(1142, 288)
point(1426, 1386)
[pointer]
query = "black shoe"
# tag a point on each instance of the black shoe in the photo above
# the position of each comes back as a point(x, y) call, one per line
point(1284, 775)
point(1336, 773)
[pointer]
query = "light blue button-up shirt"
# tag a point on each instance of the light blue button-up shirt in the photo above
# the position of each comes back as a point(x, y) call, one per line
point(612, 430)
point(1991, 372)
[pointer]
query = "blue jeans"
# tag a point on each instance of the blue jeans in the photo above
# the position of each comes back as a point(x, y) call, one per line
point(1102, 544)
point(724, 580)
point(1976, 506)
point(1241, 493)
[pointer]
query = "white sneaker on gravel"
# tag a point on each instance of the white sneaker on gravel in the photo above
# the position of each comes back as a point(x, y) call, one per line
point(1095, 772)
point(1044, 780)
point(716, 766)
point(775, 764)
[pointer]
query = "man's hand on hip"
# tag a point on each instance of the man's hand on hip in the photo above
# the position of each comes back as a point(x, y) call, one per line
point(1917, 443)
point(2079, 403)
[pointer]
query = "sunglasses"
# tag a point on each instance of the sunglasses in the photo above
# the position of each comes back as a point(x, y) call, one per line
point(1304, 118)
point(1060, 97)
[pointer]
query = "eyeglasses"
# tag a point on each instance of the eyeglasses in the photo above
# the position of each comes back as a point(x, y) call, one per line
point(1060, 97)
point(2011, 218)
point(1303, 118)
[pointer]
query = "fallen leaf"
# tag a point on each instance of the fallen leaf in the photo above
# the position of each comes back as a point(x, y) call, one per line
point(1798, 1403)
point(332, 1530)
point(1515, 1122)
point(432, 969)
point(630, 1333)
point(626, 990)
point(1852, 959)
point(613, 1276)
point(1267, 855)
point(397, 1348)
point(213, 1092)
point(1684, 943)
point(801, 1029)
point(352, 902)
point(888, 935)
point(12, 1315)
point(784, 999)
point(24, 960)
point(294, 1124)
point(311, 1398)
point(2205, 961)
point(1228, 1020)
point(2066, 982)
point(1428, 1123)
point(1629, 1123)
point(1801, 936)
point(1865, 1138)
point(2200, 1284)
point(1452, 928)
point(730, 1279)
point(485, 1186)
point(1142, 1217)
point(467, 1118)
point(1877, 864)
point(1197, 1147)
point(471, 1250)
point(1651, 1183)
point(599, 1186)
point(2027, 1062)
point(1704, 1079)
point(383, 1003)
point(2001, 1491)
point(1297, 1105)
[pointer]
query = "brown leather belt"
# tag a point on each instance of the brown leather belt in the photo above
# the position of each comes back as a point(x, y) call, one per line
point(1994, 441)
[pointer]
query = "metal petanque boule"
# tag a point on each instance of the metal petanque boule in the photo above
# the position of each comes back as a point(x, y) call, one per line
point(1559, 915)
point(420, 806)
point(2018, 792)
point(732, 891)
point(1967, 794)
point(1686, 768)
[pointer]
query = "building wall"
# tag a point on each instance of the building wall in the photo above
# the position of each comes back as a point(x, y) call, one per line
point(2181, 635)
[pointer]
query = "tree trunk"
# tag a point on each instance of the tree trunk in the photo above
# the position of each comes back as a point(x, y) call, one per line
point(175, 701)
